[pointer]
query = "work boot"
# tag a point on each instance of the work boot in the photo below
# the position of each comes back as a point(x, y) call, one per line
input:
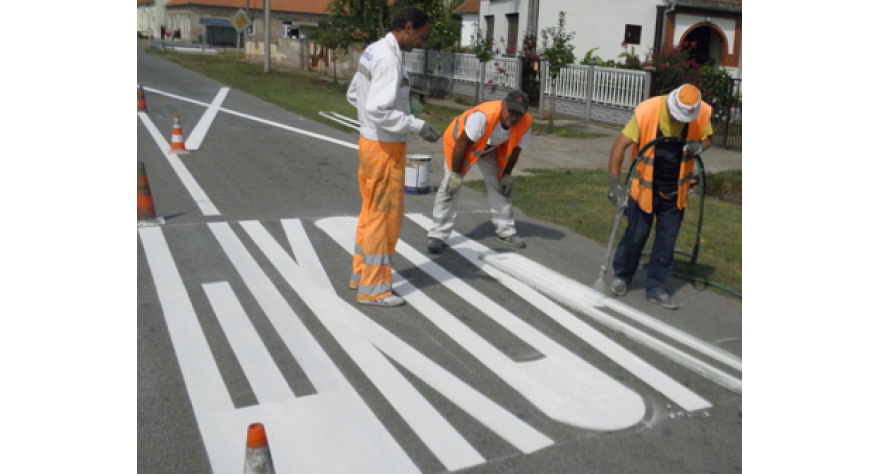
point(619, 286)
point(664, 300)
point(513, 240)
point(435, 245)
point(392, 300)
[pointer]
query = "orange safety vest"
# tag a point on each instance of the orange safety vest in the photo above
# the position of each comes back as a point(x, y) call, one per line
point(648, 118)
point(493, 115)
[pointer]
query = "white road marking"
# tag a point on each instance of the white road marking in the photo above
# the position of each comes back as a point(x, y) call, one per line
point(263, 375)
point(191, 185)
point(194, 141)
point(561, 385)
point(523, 286)
point(585, 300)
point(512, 429)
point(299, 131)
point(431, 427)
point(204, 384)
point(332, 430)
point(343, 432)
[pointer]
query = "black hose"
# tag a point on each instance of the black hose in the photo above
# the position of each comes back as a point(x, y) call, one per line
point(702, 283)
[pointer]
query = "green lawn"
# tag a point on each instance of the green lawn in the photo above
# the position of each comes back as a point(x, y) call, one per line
point(574, 199)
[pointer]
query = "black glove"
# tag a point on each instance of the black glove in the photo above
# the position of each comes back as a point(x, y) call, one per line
point(615, 191)
point(429, 133)
point(693, 148)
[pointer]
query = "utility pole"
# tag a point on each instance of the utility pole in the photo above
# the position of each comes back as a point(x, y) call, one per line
point(532, 28)
point(267, 14)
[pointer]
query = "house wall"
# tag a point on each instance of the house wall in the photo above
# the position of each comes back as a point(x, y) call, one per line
point(467, 29)
point(151, 17)
point(601, 24)
point(596, 23)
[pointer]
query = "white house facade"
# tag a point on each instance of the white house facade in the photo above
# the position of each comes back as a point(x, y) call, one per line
point(610, 27)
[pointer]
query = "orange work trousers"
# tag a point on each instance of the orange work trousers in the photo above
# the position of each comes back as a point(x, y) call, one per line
point(381, 181)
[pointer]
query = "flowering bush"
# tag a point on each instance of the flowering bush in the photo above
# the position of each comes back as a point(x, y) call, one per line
point(674, 67)
point(498, 77)
point(630, 58)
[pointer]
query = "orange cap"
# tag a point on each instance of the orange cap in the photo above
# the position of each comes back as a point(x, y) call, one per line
point(256, 436)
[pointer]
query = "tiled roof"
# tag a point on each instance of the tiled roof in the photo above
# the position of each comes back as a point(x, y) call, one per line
point(299, 6)
point(730, 5)
point(145, 2)
point(468, 7)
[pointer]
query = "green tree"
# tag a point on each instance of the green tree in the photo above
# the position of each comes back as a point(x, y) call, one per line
point(481, 47)
point(559, 53)
point(445, 29)
point(356, 21)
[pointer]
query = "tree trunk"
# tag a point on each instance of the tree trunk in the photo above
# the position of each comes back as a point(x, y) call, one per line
point(480, 84)
point(552, 102)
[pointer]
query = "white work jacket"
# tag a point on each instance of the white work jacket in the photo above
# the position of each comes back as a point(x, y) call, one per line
point(380, 92)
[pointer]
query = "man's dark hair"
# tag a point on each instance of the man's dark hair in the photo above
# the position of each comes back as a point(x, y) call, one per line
point(410, 14)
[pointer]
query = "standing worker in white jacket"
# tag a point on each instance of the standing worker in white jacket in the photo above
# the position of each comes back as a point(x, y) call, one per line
point(380, 92)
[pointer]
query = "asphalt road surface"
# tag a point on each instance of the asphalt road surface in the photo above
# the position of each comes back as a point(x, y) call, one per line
point(501, 360)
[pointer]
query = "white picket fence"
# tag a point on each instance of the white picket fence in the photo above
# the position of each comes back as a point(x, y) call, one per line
point(612, 87)
point(501, 71)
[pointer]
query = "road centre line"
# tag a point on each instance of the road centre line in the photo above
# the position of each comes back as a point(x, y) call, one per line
point(192, 186)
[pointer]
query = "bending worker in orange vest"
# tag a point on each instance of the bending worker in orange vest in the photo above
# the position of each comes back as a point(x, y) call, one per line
point(660, 186)
point(490, 135)
point(380, 92)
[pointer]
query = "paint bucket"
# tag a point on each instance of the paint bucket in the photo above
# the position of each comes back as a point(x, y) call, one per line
point(418, 174)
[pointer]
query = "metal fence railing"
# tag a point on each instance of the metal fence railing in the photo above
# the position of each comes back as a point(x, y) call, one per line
point(607, 86)
point(461, 67)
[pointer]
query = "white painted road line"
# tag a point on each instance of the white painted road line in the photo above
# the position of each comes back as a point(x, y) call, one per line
point(431, 427)
point(524, 285)
point(204, 384)
point(502, 422)
point(560, 384)
point(263, 375)
point(299, 131)
point(584, 300)
point(341, 434)
point(191, 185)
point(194, 141)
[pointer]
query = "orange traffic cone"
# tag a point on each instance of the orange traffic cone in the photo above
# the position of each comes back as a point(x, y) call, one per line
point(142, 101)
point(177, 145)
point(146, 211)
point(258, 459)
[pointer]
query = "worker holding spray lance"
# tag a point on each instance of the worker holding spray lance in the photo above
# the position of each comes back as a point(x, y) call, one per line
point(669, 131)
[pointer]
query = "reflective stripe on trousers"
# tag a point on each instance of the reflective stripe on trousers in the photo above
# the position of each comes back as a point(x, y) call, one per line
point(381, 181)
point(501, 206)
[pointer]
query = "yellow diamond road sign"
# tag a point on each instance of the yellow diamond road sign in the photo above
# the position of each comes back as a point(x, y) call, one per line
point(240, 21)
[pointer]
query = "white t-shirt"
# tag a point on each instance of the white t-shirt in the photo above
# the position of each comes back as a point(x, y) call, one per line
point(475, 127)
